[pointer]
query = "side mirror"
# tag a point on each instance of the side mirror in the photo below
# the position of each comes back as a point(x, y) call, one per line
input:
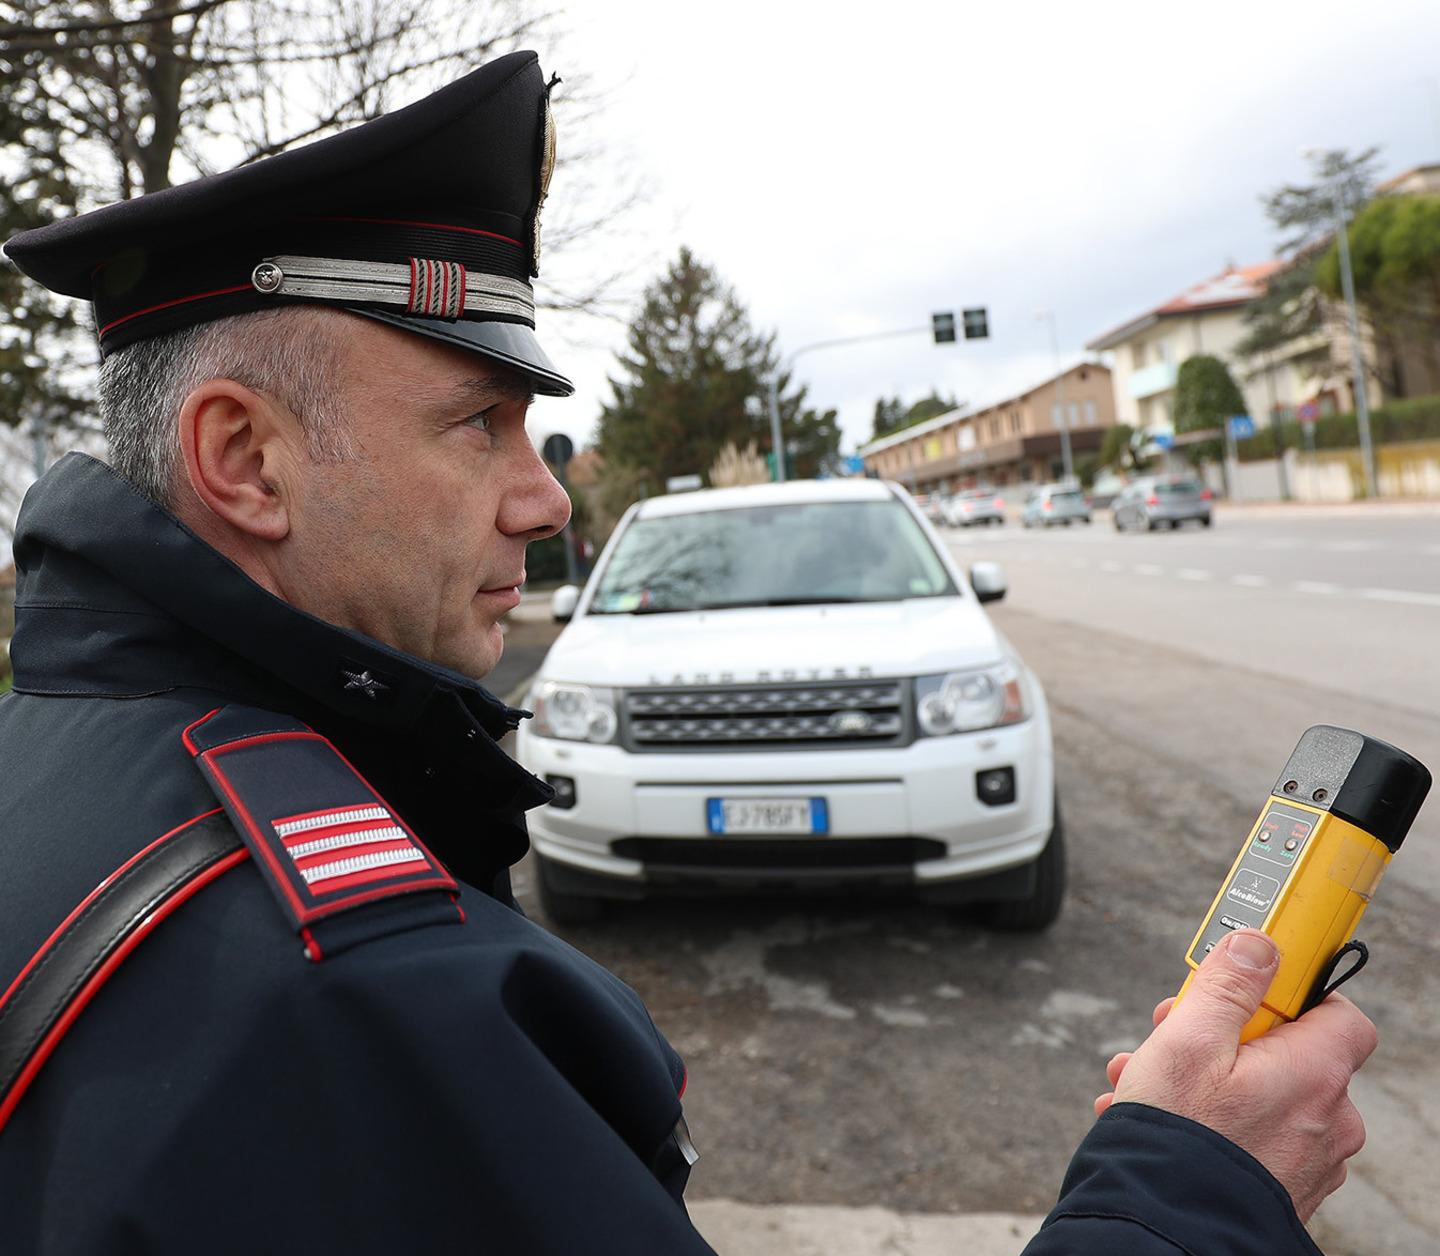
point(988, 581)
point(563, 602)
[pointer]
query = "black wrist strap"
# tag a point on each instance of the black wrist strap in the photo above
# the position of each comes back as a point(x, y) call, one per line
point(1327, 983)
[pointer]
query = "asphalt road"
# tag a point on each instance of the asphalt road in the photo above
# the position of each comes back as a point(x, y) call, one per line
point(886, 1054)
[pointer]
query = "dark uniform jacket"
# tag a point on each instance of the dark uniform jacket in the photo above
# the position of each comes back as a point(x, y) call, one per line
point(459, 1081)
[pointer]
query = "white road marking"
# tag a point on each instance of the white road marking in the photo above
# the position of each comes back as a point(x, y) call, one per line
point(1315, 586)
point(1250, 582)
point(1407, 596)
point(1111, 565)
point(1281, 542)
point(1192, 573)
point(1348, 547)
point(1147, 569)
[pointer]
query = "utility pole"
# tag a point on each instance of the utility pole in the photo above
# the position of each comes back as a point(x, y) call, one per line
point(1338, 209)
point(1065, 454)
point(1357, 360)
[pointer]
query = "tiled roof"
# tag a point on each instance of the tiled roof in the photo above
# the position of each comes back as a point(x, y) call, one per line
point(1235, 285)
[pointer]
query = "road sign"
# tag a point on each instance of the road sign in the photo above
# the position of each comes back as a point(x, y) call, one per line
point(683, 483)
point(943, 325)
point(1308, 413)
point(854, 464)
point(1163, 440)
point(977, 324)
point(1241, 426)
point(558, 449)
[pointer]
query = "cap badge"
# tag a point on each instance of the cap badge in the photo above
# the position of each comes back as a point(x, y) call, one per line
point(547, 168)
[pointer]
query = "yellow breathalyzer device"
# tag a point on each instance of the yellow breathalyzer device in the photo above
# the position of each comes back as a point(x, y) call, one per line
point(1312, 862)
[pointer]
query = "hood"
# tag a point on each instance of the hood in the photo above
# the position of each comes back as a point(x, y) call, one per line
point(768, 644)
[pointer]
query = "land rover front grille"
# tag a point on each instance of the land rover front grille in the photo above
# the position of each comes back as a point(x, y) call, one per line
point(838, 715)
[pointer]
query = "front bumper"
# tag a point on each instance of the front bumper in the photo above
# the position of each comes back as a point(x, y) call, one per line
point(906, 816)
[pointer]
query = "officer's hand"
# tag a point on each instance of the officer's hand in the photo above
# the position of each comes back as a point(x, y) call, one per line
point(1283, 1097)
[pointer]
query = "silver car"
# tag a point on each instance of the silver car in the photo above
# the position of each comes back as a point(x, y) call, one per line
point(975, 505)
point(1162, 501)
point(1055, 503)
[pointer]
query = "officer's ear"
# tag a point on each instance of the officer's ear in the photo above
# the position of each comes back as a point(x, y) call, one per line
point(239, 457)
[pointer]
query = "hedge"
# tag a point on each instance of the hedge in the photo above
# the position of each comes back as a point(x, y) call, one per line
point(1417, 418)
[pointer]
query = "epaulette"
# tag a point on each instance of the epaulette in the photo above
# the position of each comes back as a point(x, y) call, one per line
point(342, 864)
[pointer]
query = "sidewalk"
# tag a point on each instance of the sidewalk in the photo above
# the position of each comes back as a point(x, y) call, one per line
point(734, 1229)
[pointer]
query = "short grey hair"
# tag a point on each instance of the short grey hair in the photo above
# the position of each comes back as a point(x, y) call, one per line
point(293, 355)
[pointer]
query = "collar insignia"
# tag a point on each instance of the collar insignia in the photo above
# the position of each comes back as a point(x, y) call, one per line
point(364, 682)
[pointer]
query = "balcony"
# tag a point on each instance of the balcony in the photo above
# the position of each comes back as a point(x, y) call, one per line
point(1157, 378)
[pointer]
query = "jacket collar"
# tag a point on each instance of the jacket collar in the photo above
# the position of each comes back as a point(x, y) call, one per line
point(117, 597)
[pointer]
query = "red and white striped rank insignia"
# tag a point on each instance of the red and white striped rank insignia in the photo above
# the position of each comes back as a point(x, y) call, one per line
point(347, 846)
point(324, 840)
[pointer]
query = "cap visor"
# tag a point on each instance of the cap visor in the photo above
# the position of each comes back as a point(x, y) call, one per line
point(510, 344)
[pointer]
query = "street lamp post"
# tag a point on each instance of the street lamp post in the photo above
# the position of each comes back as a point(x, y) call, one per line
point(1357, 359)
point(785, 363)
point(1065, 452)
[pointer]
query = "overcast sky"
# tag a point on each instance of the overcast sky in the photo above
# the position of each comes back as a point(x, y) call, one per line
point(850, 168)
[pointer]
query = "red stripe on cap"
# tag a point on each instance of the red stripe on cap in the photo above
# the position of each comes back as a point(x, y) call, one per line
point(165, 305)
point(433, 226)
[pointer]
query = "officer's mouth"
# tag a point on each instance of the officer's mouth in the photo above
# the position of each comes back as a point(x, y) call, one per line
point(506, 595)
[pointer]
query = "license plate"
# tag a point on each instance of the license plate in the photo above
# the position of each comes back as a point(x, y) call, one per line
point(767, 815)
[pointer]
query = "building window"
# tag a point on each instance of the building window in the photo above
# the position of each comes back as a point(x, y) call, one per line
point(1137, 356)
point(1090, 420)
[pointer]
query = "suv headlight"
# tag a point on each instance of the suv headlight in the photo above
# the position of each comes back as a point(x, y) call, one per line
point(574, 712)
point(964, 702)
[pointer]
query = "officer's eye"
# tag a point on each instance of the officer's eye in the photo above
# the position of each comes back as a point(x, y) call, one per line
point(481, 422)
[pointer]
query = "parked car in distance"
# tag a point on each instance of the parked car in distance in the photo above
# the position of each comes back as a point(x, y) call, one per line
point(1162, 501)
point(1052, 504)
point(975, 505)
point(1107, 487)
point(790, 688)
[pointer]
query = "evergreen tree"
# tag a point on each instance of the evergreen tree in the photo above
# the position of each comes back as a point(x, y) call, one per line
point(1205, 396)
point(695, 379)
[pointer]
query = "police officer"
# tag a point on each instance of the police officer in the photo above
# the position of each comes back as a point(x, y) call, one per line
point(266, 987)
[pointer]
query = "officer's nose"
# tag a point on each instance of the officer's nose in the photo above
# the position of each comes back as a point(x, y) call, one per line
point(534, 505)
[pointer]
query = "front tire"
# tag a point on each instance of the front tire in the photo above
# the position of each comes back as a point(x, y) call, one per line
point(560, 907)
point(1042, 908)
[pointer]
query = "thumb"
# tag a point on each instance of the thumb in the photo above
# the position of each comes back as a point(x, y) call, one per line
point(1225, 992)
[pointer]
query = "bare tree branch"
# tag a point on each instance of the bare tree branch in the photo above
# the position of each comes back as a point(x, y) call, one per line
point(79, 28)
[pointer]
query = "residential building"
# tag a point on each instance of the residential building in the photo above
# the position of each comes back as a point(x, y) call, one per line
point(1010, 442)
point(1204, 319)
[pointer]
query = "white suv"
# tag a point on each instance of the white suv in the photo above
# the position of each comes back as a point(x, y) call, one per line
point(790, 687)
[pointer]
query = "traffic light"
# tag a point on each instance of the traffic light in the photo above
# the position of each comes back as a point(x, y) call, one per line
point(944, 327)
point(977, 325)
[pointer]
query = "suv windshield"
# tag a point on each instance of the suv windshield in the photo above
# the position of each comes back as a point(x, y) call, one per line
point(784, 555)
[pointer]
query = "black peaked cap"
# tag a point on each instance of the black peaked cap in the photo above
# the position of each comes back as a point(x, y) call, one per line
point(426, 219)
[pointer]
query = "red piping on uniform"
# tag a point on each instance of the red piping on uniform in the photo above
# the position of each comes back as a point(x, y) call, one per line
point(165, 305)
point(190, 728)
point(312, 948)
point(433, 226)
point(90, 898)
point(684, 1081)
point(104, 972)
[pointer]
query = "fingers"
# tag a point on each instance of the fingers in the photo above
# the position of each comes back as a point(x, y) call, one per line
point(1102, 1102)
point(1353, 1032)
point(1117, 1066)
point(1224, 993)
point(1162, 1010)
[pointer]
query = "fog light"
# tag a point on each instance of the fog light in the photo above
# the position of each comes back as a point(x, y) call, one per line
point(996, 786)
point(564, 787)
